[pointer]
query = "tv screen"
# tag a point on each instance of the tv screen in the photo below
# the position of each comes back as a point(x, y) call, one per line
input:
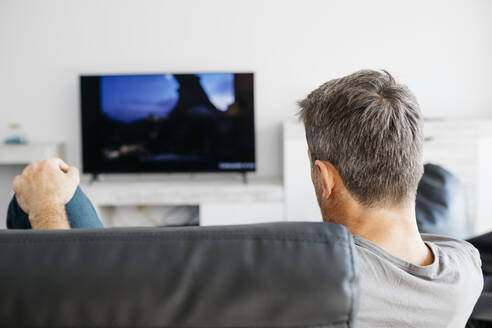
point(200, 122)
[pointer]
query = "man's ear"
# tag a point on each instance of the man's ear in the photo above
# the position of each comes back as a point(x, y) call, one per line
point(327, 174)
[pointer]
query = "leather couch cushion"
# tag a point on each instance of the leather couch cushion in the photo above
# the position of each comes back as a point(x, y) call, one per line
point(268, 275)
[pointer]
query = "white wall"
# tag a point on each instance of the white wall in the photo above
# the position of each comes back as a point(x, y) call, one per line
point(441, 49)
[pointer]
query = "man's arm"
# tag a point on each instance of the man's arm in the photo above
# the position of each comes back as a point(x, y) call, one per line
point(42, 191)
point(51, 217)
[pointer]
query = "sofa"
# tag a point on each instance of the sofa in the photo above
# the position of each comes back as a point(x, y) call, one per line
point(265, 275)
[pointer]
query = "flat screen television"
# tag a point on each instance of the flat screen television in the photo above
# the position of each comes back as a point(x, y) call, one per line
point(201, 122)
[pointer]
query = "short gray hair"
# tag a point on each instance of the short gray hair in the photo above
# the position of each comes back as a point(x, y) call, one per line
point(371, 129)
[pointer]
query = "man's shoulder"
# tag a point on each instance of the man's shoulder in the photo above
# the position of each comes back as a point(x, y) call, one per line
point(453, 258)
point(445, 290)
point(459, 249)
point(457, 260)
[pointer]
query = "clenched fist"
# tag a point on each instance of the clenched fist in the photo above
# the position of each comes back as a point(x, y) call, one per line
point(43, 189)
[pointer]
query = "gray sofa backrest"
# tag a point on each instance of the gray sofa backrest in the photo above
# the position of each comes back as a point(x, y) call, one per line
point(268, 275)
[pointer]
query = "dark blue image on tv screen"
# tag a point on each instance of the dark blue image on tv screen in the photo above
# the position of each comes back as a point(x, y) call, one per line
point(132, 98)
point(168, 122)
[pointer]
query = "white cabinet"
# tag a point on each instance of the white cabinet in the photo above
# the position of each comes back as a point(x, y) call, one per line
point(219, 202)
point(219, 213)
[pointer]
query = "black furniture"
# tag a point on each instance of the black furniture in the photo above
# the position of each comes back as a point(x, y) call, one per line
point(440, 204)
point(482, 314)
point(267, 275)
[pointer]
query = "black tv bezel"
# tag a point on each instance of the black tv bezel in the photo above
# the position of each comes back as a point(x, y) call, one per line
point(91, 168)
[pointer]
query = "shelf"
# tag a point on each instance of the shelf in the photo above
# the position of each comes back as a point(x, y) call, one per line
point(119, 193)
point(28, 153)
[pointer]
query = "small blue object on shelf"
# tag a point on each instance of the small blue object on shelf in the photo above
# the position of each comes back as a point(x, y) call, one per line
point(15, 135)
point(15, 141)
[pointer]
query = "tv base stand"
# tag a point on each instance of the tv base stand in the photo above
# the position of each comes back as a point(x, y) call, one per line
point(94, 178)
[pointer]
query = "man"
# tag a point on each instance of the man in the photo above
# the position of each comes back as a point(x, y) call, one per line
point(364, 134)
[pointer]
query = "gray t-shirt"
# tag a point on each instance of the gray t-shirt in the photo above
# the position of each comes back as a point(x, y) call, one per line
point(396, 293)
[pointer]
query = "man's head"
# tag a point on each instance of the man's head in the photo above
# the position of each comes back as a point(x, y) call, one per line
point(364, 134)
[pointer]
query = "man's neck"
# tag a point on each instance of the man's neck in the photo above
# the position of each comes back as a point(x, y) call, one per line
point(392, 228)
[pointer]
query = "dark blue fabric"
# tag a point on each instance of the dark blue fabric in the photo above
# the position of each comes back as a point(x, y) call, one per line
point(440, 204)
point(80, 213)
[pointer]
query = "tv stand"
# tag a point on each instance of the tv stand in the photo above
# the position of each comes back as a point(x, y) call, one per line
point(219, 202)
point(94, 178)
point(244, 177)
